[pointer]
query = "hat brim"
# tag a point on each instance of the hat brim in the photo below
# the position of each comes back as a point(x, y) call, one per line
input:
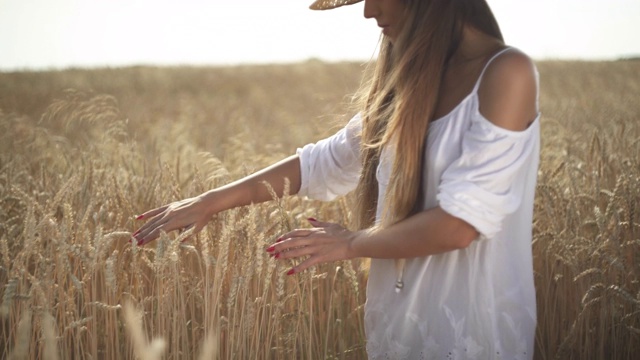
point(331, 4)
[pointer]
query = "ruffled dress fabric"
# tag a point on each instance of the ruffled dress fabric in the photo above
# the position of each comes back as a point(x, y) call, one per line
point(474, 303)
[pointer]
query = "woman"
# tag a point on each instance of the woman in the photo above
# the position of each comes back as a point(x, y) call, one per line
point(443, 157)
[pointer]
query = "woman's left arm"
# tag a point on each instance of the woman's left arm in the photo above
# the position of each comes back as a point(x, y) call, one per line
point(429, 232)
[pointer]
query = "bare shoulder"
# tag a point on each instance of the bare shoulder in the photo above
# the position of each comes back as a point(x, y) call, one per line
point(511, 64)
point(508, 91)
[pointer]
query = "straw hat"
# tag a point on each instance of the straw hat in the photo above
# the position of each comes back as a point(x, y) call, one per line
point(330, 4)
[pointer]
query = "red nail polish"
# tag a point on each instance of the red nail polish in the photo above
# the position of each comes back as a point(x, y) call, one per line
point(312, 219)
point(277, 256)
point(279, 239)
point(140, 242)
point(291, 272)
point(271, 249)
point(139, 217)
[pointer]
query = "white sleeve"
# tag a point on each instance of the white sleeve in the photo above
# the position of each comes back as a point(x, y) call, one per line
point(331, 167)
point(486, 183)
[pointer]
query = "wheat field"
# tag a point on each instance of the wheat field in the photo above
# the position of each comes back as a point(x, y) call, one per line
point(84, 151)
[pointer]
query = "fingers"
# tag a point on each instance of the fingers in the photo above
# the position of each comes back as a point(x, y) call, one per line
point(317, 223)
point(299, 252)
point(298, 233)
point(141, 236)
point(312, 252)
point(148, 235)
point(306, 264)
point(320, 227)
point(325, 242)
point(161, 222)
point(150, 231)
point(180, 215)
point(151, 213)
point(292, 248)
point(145, 237)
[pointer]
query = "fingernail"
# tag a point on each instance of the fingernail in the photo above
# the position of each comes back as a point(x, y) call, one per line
point(136, 233)
point(140, 242)
point(291, 272)
point(277, 256)
point(271, 248)
point(311, 219)
point(279, 239)
point(139, 217)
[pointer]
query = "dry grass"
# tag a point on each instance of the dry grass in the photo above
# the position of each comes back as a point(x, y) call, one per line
point(77, 165)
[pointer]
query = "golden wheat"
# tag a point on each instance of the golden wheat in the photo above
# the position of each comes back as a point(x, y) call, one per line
point(76, 165)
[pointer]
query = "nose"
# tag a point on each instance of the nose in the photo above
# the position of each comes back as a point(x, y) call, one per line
point(370, 9)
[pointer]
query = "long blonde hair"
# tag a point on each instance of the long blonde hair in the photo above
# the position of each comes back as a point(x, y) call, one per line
point(398, 102)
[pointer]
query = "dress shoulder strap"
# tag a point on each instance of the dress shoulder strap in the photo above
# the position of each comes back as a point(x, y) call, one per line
point(475, 88)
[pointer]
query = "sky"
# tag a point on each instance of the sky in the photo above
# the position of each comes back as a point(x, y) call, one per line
point(57, 34)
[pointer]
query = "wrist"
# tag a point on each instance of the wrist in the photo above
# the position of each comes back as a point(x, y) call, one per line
point(355, 244)
point(211, 201)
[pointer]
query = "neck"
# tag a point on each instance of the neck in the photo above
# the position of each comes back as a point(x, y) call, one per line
point(475, 45)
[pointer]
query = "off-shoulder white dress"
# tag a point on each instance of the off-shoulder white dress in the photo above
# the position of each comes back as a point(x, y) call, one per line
point(475, 303)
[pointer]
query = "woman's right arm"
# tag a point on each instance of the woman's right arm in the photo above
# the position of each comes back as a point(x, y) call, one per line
point(324, 170)
point(196, 212)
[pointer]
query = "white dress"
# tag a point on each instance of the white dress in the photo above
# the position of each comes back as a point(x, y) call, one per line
point(474, 303)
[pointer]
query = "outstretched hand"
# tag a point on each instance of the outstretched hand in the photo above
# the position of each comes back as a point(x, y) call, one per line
point(325, 242)
point(180, 215)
